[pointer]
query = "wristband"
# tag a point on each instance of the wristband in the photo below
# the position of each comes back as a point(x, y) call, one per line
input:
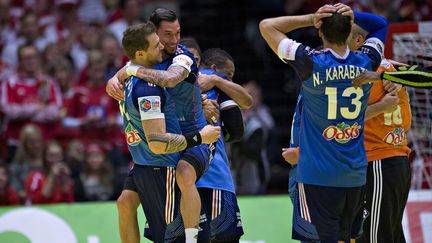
point(132, 70)
point(192, 139)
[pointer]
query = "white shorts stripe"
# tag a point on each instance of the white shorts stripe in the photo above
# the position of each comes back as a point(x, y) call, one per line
point(303, 203)
point(170, 195)
point(376, 201)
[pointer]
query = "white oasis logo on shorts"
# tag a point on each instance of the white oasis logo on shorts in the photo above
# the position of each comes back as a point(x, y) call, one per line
point(342, 132)
point(39, 226)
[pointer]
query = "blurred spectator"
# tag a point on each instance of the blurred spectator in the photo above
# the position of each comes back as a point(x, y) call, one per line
point(112, 50)
point(54, 183)
point(250, 160)
point(7, 24)
point(75, 154)
point(88, 38)
point(386, 8)
point(29, 157)
point(113, 12)
point(93, 110)
point(29, 34)
point(50, 54)
point(29, 96)
point(8, 196)
point(131, 14)
point(92, 11)
point(416, 10)
point(61, 70)
point(97, 177)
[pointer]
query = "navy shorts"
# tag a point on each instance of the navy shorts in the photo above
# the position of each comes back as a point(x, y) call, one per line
point(327, 214)
point(199, 157)
point(160, 200)
point(223, 213)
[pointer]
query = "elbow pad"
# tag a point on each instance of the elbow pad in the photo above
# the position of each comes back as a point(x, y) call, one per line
point(233, 127)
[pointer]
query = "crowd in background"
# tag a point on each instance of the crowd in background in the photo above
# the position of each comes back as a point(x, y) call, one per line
point(61, 135)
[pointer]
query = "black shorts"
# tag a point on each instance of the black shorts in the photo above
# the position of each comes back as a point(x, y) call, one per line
point(387, 188)
point(159, 197)
point(223, 213)
point(327, 214)
point(199, 157)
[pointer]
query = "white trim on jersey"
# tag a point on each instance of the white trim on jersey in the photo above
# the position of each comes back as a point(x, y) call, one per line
point(227, 103)
point(287, 49)
point(150, 108)
point(376, 200)
point(182, 61)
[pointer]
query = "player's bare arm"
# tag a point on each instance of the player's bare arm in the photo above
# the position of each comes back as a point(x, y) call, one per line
point(388, 103)
point(161, 142)
point(114, 88)
point(233, 90)
point(273, 29)
point(169, 78)
point(366, 77)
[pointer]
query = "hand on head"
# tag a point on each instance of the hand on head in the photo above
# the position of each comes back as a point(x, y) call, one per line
point(328, 10)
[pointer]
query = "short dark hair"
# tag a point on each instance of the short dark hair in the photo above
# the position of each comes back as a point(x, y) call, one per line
point(162, 14)
point(336, 28)
point(135, 38)
point(191, 42)
point(216, 56)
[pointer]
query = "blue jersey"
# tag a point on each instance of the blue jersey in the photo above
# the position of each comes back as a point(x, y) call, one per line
point(186, 94)
point(295, 126)
point(145, 101)
point(218, 175)
point(331, 148)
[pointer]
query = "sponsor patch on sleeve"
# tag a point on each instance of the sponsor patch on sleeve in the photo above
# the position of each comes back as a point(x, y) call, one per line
point(375, 43)
point(150, 107)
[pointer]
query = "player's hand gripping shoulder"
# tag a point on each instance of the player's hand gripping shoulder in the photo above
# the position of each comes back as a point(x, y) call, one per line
point(210, 134)
point(391, 88)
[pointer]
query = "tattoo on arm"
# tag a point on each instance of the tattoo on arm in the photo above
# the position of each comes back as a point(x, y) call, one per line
point(173, 142)
point(169, 78)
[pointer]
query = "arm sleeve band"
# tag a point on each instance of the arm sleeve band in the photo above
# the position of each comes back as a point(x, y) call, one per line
point(193, 139)
point(232, 124)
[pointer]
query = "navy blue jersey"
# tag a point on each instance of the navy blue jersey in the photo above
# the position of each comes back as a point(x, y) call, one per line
point(295, 126)
point(145, 101)
point(218, 175)
point(186, 94)
point(331, 148)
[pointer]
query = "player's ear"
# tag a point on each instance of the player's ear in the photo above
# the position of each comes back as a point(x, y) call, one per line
point(213, 67)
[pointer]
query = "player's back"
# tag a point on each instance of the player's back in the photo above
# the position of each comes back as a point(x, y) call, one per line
point(218, 175)
point(142, 97)
point(186, 95)
point(332, 121)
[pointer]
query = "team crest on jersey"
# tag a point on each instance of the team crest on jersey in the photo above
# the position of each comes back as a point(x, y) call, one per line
point(395, 137)
point(342, 132)
point(132, 137)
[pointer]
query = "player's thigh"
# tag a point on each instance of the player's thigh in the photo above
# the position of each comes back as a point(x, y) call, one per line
point(159, 197)
point(321, 209)
point(128, 199)
point(199, 157)
point(222, 211)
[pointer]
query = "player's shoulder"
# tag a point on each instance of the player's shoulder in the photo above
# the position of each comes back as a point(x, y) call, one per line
point(181, 49)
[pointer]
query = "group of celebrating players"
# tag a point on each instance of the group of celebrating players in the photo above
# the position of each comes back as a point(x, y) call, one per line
point(176, 135)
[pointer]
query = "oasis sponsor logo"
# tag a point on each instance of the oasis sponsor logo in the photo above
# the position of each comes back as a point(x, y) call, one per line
point(342, 132)
point(132, 137)
point(395, 137)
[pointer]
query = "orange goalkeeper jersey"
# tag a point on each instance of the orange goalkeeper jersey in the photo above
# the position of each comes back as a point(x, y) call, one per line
point(385, 134)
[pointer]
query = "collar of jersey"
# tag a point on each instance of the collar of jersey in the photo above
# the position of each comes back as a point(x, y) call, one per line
point(347, 52)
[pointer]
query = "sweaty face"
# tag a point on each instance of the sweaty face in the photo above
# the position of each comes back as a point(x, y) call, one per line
point(228, 69)
point(154, 50)
point(169, 34)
